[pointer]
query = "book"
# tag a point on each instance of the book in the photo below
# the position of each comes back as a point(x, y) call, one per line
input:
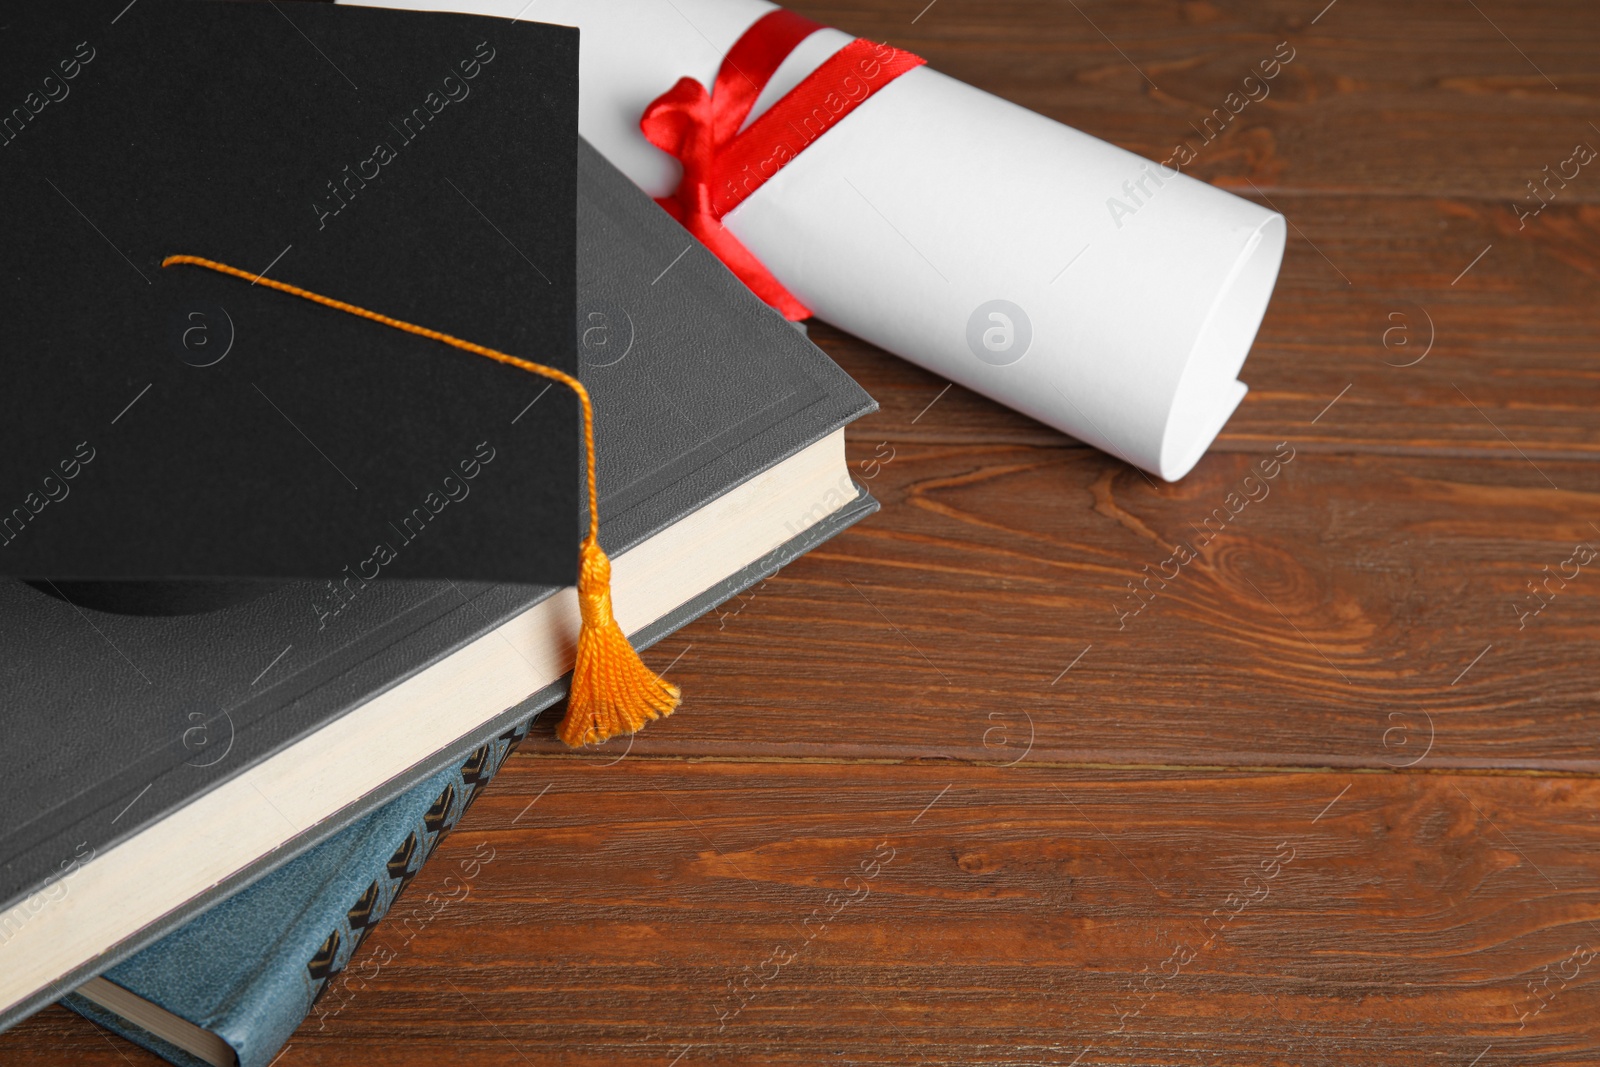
point(267, 727)
point(231, 986)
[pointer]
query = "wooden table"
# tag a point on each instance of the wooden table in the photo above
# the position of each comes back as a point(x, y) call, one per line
point(938, 795)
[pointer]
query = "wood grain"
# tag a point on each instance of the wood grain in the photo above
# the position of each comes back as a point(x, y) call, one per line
point(877, 914)
point(1432, 97)
point(1084, 804)
point(1339, 620)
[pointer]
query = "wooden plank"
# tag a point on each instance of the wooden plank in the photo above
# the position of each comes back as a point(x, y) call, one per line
point(1430, 98)
point(798, 914)
point(1345, 618)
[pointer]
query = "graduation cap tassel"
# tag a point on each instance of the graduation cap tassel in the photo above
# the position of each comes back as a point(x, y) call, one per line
point(612, 692)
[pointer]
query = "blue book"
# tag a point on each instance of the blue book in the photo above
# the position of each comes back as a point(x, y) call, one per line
point(230, 987)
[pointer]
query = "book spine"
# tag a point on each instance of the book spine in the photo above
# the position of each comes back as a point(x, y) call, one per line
point(259, 1014)
point(377, 900)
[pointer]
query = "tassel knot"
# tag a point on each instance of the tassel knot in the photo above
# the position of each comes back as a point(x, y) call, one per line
point(594, 585)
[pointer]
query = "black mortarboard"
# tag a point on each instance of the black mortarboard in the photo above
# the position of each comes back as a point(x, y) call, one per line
point(177, 424)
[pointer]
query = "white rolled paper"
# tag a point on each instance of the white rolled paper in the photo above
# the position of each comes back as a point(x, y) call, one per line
point(1102, 294)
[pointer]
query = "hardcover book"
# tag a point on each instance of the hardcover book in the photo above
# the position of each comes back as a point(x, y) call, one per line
point(172, 760)
point(232, 985)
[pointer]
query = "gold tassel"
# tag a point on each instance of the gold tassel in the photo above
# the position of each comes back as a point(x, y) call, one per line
point(612, 691)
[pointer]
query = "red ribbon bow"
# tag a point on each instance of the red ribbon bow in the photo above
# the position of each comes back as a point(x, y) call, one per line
point(722, 166)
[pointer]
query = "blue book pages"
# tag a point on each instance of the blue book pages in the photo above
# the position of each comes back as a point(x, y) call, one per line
point(250, 969)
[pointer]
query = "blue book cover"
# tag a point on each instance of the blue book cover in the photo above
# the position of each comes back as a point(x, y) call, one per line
point(233, 985)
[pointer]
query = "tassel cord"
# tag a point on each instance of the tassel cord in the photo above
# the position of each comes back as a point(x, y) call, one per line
point(540, 369)
point(612, 692)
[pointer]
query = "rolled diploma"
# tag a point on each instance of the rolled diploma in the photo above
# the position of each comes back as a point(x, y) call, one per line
point(911, 217)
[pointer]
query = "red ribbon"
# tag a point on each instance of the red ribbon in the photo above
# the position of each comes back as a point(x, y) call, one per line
point(722, 166)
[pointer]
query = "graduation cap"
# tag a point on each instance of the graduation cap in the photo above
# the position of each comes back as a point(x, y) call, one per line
point(176, 436)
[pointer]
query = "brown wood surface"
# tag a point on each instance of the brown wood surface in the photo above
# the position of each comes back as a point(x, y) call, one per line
point(1327, 798)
